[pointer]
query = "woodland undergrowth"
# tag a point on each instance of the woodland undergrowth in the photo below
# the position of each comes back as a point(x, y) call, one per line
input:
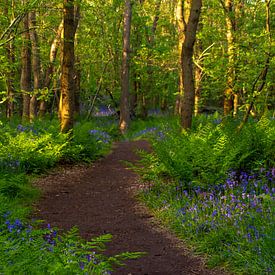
point(26, 151)
point(214, 186)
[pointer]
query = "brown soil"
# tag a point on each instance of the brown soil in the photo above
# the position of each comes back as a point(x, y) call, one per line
point(100, 199)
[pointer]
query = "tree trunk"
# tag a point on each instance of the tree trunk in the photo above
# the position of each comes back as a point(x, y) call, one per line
point(36, 65)
point(181, 30)
point(150, 41)
point(229, 91)
point(125, 81)
point(10, 80)
point(187, 64)
point(10, 75)
point(198, 74)
point(25, 81)
point(66, 104)
point(48, 77)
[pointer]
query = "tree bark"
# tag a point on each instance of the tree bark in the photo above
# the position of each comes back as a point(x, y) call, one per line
point(36, 65)
point(125, 81)
point(198, 74)
point(66, 103)
point(230, 27)
point(181, 30)
point(49, 72)
point(10, 75)
point(187, 64)
point(25, 81)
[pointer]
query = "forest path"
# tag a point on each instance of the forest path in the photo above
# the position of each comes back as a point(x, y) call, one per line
point(100, 199)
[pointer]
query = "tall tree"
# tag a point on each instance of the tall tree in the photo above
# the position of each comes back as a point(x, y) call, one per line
point(182, 13)
point(125, 81)
point(25, 81)
point(187, 63)
point(36, 65)
point(66, 104)
point(50, 69)
point(10, 75)
point(228, 105)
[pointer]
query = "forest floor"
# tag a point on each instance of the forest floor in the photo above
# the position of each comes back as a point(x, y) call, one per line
point(100, 199)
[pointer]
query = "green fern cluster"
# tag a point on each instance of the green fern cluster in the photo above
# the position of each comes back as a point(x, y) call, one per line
point(204, 156)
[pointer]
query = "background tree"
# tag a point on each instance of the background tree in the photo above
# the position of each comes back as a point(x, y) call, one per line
point(125, 73)
point(66, 107)
point(187, 64)
point(25, 81)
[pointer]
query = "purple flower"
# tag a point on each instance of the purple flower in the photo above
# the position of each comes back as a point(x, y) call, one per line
point(215, 212)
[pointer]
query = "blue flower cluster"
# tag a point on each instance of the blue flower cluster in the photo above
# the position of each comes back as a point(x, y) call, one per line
point(104, 112)
point(100, 136)
point(21, 128)
point(45, 240)
point(10, 164)
point(244, 203)
point(146, 131)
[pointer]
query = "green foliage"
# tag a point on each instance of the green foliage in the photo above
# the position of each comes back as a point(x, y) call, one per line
point(22, 245)
point(215, 188)
point(204, 156)
point(34, 148)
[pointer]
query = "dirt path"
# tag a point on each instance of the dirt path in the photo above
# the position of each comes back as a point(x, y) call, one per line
point(100, 199)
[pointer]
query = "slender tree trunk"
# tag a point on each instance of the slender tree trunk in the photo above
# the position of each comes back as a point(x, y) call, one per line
point(198, 74)
point(181, 31)
point(187, 64)
point(77, 81)
point(229, 91)
point(10, 74)
point(25, 81)
point(125, 81)
point(10, 80)
point(36, 65)
point(77, 71)
point(49, 72)
point(66, 106)
point(150, 41)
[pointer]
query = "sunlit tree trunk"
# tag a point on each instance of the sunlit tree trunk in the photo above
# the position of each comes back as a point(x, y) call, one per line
point(50, 70)
point(187, 64)
point(66, 103)
point(36, 65)
point(125, 81)
point(181, 31)
point(25, 80)
point(229, 91)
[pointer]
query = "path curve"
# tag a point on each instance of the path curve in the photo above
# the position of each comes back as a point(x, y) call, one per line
point(100, 199)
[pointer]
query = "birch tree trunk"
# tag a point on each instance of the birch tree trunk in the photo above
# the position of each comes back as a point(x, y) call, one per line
point(125, 81)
